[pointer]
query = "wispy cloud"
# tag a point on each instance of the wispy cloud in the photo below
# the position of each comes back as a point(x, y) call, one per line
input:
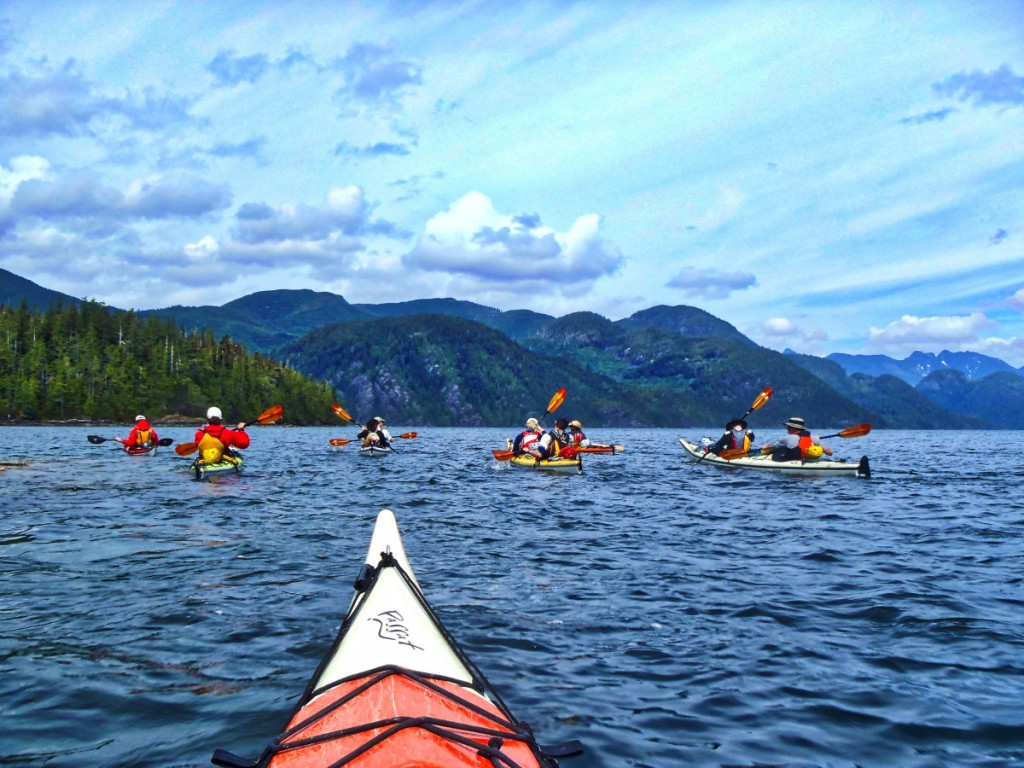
point(229, 69)
point(378, 149)
point(710, 283)
point(373, 73)
point(984, 89)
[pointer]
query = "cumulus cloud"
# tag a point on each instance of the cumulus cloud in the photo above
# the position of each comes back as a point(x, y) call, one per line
point(372, 73)
point(63, 102)
point(983, 89)
point(23, 168)
point(473, 240)
point(779, 327)
point(710, 283)
point(229, 69)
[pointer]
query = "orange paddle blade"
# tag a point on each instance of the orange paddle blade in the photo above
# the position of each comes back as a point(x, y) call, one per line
point(408, 435)
point(858, 431)
point(762, 398)
point(269, 416)
point(339, 441)
point(556, 400)
point(342, 413)
point(503, 455)
point(184, 449)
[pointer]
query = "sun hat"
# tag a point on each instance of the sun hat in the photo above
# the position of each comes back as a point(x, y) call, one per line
point(736, 424)
point(576, 423)
point(214, 413)
point(140, 417)
point(795, 423)
point(379, 419)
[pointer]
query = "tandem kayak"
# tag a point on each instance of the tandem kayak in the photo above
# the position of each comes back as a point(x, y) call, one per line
point(558, 465)
point(396, 690)
point(203, 469)
point(764, 463)
point(374, 451)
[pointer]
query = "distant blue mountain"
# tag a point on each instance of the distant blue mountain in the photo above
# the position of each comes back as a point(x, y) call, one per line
point(918, 365)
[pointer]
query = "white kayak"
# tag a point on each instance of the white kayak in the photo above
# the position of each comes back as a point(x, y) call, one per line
point(757, 461)
point(396, 690)
point(374, 451)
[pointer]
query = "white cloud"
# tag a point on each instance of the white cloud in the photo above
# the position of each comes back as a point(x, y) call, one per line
point(471, 239)
point(929, 331)
point(23, 168)
point(779, 327)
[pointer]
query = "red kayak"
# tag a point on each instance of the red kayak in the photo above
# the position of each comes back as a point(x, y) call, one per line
point(396, 690)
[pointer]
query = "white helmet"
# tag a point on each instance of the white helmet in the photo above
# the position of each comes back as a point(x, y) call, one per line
point(214, 413)
point(140, 417)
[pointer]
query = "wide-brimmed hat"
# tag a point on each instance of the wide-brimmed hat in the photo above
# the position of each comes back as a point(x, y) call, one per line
point(576, 423)
point(736, 423)
point(379, 419)
point(795, 423)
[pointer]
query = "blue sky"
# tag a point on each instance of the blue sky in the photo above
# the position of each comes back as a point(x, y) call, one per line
point(827, 177)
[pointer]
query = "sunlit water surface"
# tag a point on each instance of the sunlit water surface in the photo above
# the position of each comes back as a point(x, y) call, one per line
point(665, 614)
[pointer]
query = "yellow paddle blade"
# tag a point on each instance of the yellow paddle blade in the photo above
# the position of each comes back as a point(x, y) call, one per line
point(733, 453)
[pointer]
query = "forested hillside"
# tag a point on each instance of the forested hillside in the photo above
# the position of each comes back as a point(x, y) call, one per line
point(448, 371)
point(84, 361)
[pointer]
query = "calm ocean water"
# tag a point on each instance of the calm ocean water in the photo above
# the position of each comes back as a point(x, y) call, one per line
point(664, 614)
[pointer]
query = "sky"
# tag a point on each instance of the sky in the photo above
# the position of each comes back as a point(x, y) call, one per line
point(827, 177)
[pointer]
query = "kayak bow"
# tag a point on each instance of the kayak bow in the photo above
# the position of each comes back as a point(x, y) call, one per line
point(396, 690)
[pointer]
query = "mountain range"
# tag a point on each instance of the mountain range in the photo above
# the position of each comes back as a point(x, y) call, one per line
point(452, 362)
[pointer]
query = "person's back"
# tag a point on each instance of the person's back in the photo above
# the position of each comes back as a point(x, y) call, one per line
point(216, 441)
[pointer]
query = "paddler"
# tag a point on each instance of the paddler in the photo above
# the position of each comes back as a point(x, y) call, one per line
point(141, 436)
point(798, 444)
point(217, 441)
point(736, 435)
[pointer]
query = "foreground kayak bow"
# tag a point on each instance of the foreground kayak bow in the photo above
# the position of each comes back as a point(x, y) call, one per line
point(396, 690)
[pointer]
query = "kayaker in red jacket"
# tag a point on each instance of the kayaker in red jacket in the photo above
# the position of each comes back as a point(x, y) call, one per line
point(142, 434)
point(216, 441)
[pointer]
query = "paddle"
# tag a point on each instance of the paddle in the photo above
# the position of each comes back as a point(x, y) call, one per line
point(343, 414)
point(556, 400)
point(343, 441)
point(269, 416)
point(601, 450)
point(762, 398)
point(96, 440)
point(858, 431)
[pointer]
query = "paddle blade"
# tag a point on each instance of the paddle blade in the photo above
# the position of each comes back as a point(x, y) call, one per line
point(165, 441)
point(761, 399)
point(96, 439)
point(339, 441)
point(858, 431)
point(556, 400)
point(408, 435)
point(733, 453)
point(269, 416)
point(184, 449)
point(342, 413)
point(503, 455)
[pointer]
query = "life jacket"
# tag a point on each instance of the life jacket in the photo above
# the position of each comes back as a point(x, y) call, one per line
point(211, 448)
point(743, 442)
point(529, 437)
point(806, 441)
point(143, 436)
point(558, 442)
